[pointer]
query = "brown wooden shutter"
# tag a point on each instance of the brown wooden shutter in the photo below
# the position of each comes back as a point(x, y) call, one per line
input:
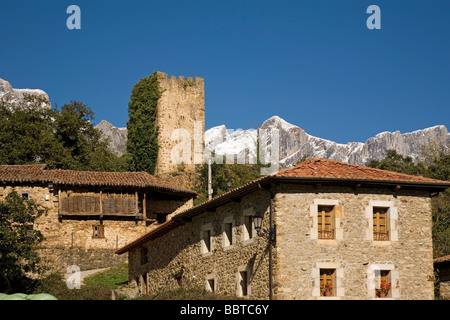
point(380, 229)
point(101, 231)
point(325, 217)
point(98, 231)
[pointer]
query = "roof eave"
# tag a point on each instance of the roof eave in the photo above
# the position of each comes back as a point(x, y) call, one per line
point(182, 193)
point(422, 185)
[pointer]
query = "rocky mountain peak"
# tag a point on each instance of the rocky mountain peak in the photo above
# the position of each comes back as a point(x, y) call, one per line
point(295, 143)
point(117, 136)
point(17, 98)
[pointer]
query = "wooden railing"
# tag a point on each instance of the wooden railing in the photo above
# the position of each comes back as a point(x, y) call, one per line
point(326, 234)
point(381, 236)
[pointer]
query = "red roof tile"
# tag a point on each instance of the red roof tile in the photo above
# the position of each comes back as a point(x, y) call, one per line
point(23, 173)
point(317, 168)
point(442, 259)
point(38, 174)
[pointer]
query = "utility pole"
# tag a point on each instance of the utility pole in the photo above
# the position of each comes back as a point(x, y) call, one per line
point(210, 190)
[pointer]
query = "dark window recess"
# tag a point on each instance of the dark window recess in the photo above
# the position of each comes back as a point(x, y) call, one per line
point(144, 255)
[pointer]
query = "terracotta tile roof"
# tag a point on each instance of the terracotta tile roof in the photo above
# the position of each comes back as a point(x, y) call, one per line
point(315, 169)
point(442, 259)
point(38, 174)
point(23, 173)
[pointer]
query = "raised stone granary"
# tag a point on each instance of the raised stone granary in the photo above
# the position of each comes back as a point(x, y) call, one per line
point(350, 227)
point(91, 214)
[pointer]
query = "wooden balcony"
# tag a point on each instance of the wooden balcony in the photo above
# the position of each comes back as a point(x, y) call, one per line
point(78, 206)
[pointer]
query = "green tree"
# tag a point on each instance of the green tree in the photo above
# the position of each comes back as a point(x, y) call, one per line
point(238, 174)
point(398, 163)
point(62, 139)
point(142, 143)
point(84, 148)
point(439, 168)
point(26, 135)
point(18, 238)
point(441, 224)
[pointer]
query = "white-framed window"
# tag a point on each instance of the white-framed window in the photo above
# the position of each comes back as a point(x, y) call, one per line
point(248, 229)
point(243, 281)
point(142, 283)
point(326, 217)
point(379, 275)
point(211, 283)
point(206, 239)
point(382, 219)
point(328, 273)
point(327, 282)
point(179, 279)
point(228, 237)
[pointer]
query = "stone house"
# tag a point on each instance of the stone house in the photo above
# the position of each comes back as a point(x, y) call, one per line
point(442, 265)
point(325, 223)
point(91, 214)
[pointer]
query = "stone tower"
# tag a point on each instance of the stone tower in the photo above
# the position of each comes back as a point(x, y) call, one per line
point(181, 123)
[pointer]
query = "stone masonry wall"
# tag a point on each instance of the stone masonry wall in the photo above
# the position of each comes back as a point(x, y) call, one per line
point(71, 241)
point(353, 254)
point(299, 254)
point(181, 107)
point(178, 255)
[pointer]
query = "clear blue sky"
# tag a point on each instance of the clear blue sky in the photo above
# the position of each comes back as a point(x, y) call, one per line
point(312, 62)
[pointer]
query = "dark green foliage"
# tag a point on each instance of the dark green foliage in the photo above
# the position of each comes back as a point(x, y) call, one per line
point(96, 287)
point(439, 168)
point(142, 143)
point(56, 286)
point(82, 144)
point(25, 135)
point(239, 174)
point(189, 294)
point(62, 139)
point(436, 165)
point(441, 224)
point(18, 239)
point(396, 162)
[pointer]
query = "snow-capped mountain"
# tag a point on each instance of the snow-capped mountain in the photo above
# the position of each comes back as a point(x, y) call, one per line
point(240, 146)
point(22, 97)
point(294, 143)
